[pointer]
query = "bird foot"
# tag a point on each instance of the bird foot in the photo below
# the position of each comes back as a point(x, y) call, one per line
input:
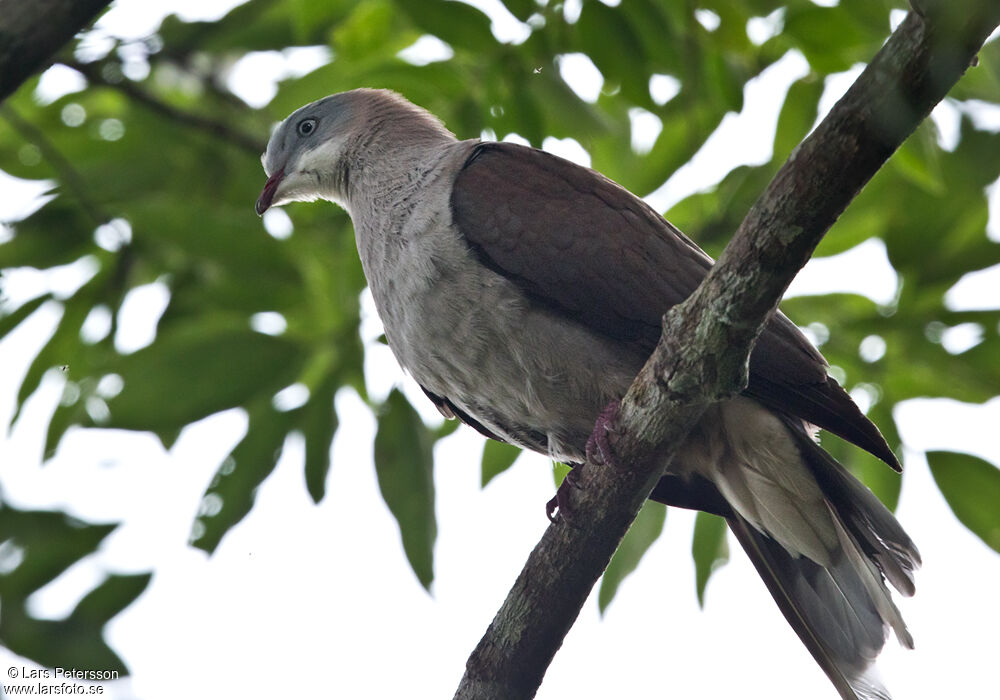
point(598, 447)
point(598, 451)
point(558, 507)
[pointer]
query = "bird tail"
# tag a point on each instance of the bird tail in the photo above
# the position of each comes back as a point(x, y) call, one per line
point(841, 609)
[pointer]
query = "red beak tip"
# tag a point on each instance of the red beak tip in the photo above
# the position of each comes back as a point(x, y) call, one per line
point(267, 195)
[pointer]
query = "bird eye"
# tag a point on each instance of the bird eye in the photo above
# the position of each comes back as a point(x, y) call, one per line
point(306, 127)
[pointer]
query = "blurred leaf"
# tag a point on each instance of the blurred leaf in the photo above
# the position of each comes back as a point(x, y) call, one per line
point(64, 347)
point(199, 369)
point(258, 25)
point(404, 464)
point(830, 37)
point(981, 82)
point(446, 428)
point(57, 234)
point(10, 321)
point(319, 424)
point(712, 217)
point(645, 530)
point(97, 607)
point(798, 114)
point(498, 457)
point(918, 159)
point(233, 490)
point(604, 34)
point(657, 33)
point(522, 9)
point(36, 547)
point(52, 541)
point(873, 472)
point(972, 488)
point(709, 548)
point(726, 79)
point(455, 23)
point(371, 30)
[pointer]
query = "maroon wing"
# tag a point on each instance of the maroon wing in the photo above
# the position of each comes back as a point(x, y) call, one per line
point(580, 243)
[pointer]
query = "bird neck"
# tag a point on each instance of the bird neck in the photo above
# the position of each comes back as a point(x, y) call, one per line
point(387, 167)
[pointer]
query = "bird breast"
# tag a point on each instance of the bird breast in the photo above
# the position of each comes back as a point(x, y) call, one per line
point(469, 334)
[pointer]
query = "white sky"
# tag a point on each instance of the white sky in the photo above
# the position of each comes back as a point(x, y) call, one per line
point(314, 601)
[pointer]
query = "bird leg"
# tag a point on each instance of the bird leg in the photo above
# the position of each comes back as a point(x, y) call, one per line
point(558, 506)
point(598, 451)
point(598, 447)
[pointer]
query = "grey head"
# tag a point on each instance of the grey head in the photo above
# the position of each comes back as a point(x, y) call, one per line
point(312, 153)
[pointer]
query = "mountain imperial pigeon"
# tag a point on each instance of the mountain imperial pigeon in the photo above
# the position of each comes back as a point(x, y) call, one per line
point(524, 292)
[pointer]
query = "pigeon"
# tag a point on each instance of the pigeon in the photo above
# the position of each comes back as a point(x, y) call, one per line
point(524, 292)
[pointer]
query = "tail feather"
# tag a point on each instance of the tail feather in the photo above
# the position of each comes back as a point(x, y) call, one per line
point(834, 617)
point(877, 532)
point(840, 608)
point(823, 544)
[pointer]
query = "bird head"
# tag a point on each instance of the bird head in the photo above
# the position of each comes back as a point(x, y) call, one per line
point(304, 157)
point(315, 151)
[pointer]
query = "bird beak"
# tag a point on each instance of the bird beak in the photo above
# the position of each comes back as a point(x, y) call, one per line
point(267, 195)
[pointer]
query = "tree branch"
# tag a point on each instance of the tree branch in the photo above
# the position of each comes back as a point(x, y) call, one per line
point(702, 356)
point(32, 32)
point(68, 174)
point(248, 143)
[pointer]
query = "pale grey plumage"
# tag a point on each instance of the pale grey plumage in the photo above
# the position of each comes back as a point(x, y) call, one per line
point(488, 301)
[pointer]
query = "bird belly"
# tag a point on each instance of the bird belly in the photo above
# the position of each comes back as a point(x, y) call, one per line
point(526, 374)
point(471, 336)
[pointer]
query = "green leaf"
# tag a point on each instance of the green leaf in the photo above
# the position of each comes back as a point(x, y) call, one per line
point(51, 541)
point(47, 543)
point(107, 600)
point(446, 428)
point(876, 474)
point(645, 530)
point(664, 42)
point(725, 79)
point(972, 488)
point(604, 34)
point(12, 320)
point(873, 472)
point(455, 23)
point(318, 425)
point(57, 234)
point(64, 347)
point(830, 37)
point(559, 472)
point(195, 370)
point(372, 29)
point(981, 82)
point(709, 548)
point(522, 9)
point(233, 490)
point(404, 464)
point(918, 159)
point(797, 114)
point(497, 458)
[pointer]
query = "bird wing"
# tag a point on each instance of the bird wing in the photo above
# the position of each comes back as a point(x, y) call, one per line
point(581, 244)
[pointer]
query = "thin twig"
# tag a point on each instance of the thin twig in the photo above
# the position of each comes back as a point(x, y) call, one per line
point(66, 172)
point(245, 141)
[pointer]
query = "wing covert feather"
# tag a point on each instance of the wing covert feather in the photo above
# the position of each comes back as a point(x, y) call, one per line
point(582, 244)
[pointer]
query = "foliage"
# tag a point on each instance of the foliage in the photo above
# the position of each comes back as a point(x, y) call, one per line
point(968, 483)
point(156, 176)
